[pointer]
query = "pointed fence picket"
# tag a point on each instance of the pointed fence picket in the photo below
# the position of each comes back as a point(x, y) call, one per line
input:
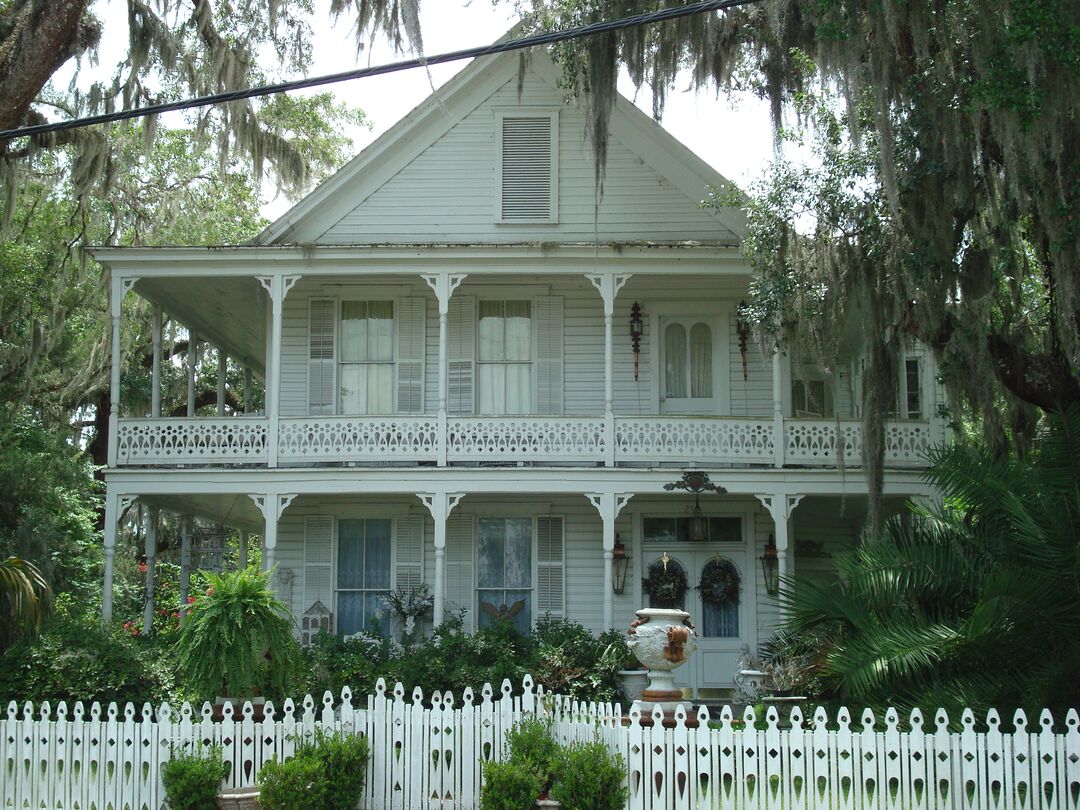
point(430, 752)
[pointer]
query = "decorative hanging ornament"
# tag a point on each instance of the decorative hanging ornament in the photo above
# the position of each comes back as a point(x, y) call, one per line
point(636, 331)
point(742, 327)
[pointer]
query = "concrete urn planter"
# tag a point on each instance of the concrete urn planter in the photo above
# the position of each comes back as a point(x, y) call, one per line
point(239, 799)
point(662, 639)
point(632, 683)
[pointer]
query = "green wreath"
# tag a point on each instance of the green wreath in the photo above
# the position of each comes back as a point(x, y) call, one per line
point(719, 583)
point(666, 585)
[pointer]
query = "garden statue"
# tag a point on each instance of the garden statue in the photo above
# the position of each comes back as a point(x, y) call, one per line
point(662, 639)
point(748, 677)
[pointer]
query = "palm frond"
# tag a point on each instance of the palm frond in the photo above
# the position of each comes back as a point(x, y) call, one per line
point(24, 599)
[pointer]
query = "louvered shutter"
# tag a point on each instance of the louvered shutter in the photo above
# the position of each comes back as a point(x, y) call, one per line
point(528, 155)
point(318, 557)
point(550, 582)
point(459, 568)
point(461, 354)
point(409, 369)
point(549, 354)
point(321, 357)
point(409, 553)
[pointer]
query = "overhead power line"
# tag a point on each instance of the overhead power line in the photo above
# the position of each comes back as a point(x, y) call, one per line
point(379, 70)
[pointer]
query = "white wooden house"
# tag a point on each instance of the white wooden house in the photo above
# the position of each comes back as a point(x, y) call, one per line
point(452, 394)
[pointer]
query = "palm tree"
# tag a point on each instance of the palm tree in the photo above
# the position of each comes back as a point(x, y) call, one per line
point(24, 599)
point(975, 604)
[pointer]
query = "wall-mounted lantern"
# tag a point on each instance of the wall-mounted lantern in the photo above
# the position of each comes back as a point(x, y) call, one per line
point(620, 565)
point(770, 568)
point(742, 327)
point(637, 329)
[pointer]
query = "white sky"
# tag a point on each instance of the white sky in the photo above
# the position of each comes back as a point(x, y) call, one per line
point(733, 134)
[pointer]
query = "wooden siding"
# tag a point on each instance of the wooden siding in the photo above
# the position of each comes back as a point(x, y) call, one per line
point(583, 333)
point(448, 192)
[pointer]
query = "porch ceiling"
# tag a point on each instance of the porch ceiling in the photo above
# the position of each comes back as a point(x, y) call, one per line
point(234, 510)
point(227, 311)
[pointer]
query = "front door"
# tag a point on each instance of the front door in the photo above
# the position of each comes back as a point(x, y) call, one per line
point(722, 626)
point(689, 365)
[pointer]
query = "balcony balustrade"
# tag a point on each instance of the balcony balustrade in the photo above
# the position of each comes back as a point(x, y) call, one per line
point(636, 441)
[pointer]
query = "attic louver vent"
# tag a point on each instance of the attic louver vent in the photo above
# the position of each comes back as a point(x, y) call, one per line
point(528, 191)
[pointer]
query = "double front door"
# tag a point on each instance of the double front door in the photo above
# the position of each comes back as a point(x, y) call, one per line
point(722, 627)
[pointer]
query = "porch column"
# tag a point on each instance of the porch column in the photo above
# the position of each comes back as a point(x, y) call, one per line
point(155, 373)
point(150, 550)
point(119, 289)
point(112, 517)
point(186, 532)
point(608, 285)
point(609, 504)
point(242, 552)
point(222, 362)
point(780, 507)
point(779, 441)
point(443, 285)
point(271, 505)
point(440, 505)
point(278, 287)
point(192, 360)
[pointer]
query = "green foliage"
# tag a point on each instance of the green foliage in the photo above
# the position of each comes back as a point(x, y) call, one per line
point(507, 786)
point(561, 655)
point(977, 604)
point(589, 777)
point(24, 600)
point(192, 780)
point(74, 658)
point(325, 773)
point(238, 637)
point(530, 746)
point(297, 782)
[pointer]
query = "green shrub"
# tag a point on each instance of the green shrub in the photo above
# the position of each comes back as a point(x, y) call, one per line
point(589, 777)
point(297, 782)
point(326, 773)
point(192, 780)
point(77, 659)
point(530, 746)
point(507, 786)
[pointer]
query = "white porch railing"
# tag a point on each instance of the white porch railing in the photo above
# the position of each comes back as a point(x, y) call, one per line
point(192, 441)
point(647, 439)
point(358, 438)
point(638, 440)
point(525, 438)
point(426, 754)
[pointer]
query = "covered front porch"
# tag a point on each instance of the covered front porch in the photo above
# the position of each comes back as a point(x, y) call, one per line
point(489, 551)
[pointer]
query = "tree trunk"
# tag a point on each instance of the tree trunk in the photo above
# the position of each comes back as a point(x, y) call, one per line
point(36, 38)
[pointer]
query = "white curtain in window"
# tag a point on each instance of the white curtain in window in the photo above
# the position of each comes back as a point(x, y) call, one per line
point(367, 357)
point(701, 361)
point(504, 571)
point(363, 574)
point(504, 371)
point(675, 361)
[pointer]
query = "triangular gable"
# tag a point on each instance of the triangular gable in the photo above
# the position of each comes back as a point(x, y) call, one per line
point(429, 179)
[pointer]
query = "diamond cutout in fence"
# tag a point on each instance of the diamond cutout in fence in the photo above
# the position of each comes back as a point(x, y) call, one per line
point(892, 755)
point(868, 756)
point(995, 756)
point(797, 754)
point(1047, 758)
point(821, 754)
point(845, 755)
point(1021, 758)
point(969, 756)
point(657, 749)
point(942, 756)
point(916, 755)
point(726, 751)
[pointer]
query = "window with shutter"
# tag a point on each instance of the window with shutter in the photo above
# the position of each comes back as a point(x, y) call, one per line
point(528, 167)
point(549, 354)
point(322, 323)
point(550, 581)
point(409, 553)
point(410, 355)
point(461, 355)
point(318, 555)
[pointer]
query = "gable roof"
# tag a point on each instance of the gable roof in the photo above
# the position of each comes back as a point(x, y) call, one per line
point(418, 131)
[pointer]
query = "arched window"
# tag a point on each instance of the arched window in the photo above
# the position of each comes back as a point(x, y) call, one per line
point(675, 360)
point(701, 382)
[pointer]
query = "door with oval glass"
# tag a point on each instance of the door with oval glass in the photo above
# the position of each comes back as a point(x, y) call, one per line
point(689, 365)
point(719, 599)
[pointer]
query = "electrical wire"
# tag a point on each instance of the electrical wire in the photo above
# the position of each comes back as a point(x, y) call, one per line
point(532, 41)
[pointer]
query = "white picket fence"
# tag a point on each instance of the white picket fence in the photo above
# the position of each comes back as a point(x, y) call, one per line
point(430, 755)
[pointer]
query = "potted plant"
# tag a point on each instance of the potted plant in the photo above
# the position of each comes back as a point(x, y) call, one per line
point(632, 676)
point(238, 639)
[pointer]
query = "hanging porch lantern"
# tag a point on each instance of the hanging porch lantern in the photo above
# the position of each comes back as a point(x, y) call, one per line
point(699, 528)
point(620, 565)
point(770, 568)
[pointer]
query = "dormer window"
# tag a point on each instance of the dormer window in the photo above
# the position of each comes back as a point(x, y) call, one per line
point(527, 150)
